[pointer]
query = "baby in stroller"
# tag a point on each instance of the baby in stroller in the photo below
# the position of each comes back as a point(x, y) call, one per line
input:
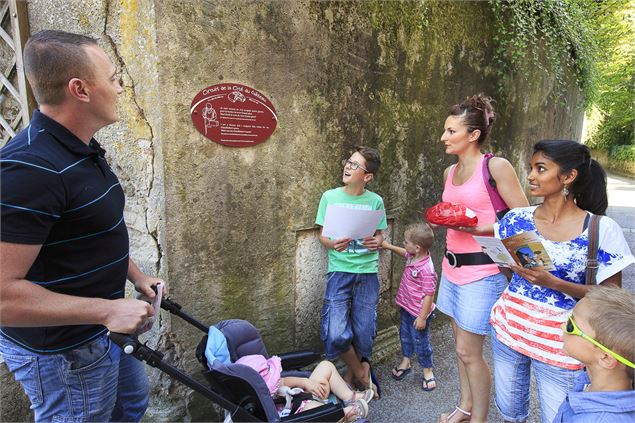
point(304, 393)
point(249, 395)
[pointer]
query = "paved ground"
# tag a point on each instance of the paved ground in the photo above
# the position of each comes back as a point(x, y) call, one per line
point(622, 210)
point(405, 402)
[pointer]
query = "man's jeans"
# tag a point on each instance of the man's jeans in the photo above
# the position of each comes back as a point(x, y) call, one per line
point(95, 382)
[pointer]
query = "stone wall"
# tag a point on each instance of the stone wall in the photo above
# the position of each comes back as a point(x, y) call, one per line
point(231, 230)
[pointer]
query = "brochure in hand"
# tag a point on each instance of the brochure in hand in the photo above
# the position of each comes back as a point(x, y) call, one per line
point(524, 249)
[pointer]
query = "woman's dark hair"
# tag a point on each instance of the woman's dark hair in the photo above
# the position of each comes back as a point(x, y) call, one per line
point(589, 187)
point(477, 113)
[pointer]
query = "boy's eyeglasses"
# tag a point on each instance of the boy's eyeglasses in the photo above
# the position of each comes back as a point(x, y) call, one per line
point(353, 165)
point(572, 329)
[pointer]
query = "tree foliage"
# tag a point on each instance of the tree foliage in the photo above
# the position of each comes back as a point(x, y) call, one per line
point(615, 116)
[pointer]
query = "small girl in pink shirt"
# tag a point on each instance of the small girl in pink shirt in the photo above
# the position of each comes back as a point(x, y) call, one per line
point(414, 297)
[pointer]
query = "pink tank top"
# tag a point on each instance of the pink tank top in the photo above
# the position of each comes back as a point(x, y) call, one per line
point(474, 195)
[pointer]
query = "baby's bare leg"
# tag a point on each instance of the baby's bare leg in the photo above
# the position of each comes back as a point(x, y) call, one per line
point(326, 373)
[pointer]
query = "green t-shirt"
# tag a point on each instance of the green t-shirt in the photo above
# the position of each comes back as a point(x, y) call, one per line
point(356, 258)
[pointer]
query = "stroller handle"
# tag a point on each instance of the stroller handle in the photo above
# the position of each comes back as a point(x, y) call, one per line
point(175, 308)
point(126, 342)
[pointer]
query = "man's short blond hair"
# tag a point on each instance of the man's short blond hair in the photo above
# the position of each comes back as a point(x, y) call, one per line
point(612, 318)
point(420, 234)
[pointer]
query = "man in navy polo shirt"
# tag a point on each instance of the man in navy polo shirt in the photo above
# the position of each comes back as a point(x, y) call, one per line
point(64, 247)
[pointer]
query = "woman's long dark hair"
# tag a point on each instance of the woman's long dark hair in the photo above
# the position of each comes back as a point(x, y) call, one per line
point(589, 187)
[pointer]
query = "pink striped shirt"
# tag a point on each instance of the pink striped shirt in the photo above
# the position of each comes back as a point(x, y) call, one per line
point(418, 281)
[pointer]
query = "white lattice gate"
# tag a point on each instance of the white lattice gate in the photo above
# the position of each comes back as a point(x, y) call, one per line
point(16, 98)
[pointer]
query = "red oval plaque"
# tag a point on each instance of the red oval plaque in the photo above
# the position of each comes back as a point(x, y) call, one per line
point(234, 115)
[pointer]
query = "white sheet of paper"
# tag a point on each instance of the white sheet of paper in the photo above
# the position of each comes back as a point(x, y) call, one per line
point(343, 222)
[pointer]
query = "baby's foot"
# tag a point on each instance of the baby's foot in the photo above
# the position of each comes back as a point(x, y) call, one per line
point(357, 410)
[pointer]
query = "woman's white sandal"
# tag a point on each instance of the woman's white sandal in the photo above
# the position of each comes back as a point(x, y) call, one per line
point(444, 418)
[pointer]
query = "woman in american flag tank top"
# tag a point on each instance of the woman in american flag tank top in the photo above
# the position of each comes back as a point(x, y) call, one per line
point(527, 319)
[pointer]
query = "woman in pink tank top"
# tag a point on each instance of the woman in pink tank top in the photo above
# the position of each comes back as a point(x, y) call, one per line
point(470, 282)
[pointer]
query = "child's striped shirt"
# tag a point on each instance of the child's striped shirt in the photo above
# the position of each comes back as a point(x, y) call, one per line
point(418, 280)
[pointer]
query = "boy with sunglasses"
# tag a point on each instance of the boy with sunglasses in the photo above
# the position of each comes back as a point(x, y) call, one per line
point(352, 289)
point(599, 333)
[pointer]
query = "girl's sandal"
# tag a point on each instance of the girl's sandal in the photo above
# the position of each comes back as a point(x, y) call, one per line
point(359, 410)
point(466, 417)
point(366, 395)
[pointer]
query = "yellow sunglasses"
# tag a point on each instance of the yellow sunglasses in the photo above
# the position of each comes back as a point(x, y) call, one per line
point(572, 329)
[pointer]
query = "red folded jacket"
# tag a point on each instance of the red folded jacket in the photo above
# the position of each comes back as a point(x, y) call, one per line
point(451, 214)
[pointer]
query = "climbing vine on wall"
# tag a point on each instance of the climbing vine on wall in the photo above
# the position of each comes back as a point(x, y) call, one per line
point(591, 37)
point(553, 35)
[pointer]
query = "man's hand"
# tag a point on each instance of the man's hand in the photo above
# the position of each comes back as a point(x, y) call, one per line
point(126, 315)
point(143, 284)
point(420, 323)
point(340, 244)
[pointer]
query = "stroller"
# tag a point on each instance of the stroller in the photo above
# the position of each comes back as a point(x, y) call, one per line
point(238, 389)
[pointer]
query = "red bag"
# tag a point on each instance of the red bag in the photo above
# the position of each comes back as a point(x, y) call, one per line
point(451, 214)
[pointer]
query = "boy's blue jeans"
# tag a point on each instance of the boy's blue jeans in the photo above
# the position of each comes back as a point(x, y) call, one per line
point(95, 382)
point(415, 340)
point(349, 313)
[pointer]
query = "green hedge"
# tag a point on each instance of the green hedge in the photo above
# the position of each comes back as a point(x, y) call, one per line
point(623, 153)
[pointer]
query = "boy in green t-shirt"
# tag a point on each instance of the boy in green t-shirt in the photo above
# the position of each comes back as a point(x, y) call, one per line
point(352, 291)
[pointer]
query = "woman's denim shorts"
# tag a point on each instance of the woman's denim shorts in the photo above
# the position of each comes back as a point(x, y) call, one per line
point(470, 304)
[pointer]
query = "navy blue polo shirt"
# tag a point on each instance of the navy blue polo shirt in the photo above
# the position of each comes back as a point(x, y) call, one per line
point(60, 193)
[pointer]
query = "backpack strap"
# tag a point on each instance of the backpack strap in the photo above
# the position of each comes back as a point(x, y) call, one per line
point(500, 207)
point(592, 258)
